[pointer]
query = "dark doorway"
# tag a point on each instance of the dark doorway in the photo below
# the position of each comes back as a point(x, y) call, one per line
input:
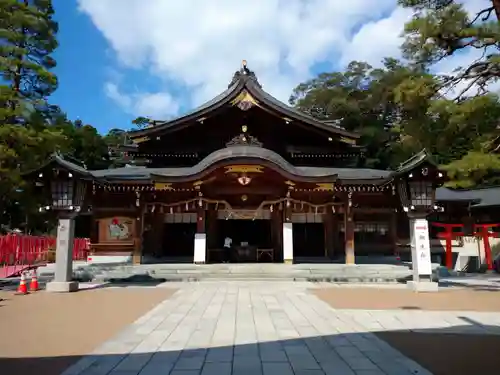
point(178, 239)
point(308, 240)
point(252, 232)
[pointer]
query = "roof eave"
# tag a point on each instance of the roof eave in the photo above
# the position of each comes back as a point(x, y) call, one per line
point(259, 94)
point(413, 162)
point(162, 125)
point(58, 160)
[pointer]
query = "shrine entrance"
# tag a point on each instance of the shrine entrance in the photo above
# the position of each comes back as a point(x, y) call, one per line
point(251, 235)
point(177, 241)
point(309, 240)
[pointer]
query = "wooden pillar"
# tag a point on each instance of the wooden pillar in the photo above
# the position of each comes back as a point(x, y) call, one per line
point(139, 226)
point(393, 232)
point(94, 229)
point(328, 223)
point(156, 232)
point(349, 231)
point(335, 232)
point(211, 228)
point(287, 235)
point(200, 220)
point(277, 234)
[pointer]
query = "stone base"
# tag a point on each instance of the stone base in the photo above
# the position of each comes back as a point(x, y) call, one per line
point(62, 286)
point(288, 261)
point(422, 286)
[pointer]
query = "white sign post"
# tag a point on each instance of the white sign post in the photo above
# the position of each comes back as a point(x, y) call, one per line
point(421, 255)
point(421, 249)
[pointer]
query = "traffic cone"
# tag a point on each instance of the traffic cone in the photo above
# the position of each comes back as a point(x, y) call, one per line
point(22, 289)
point(34, 281)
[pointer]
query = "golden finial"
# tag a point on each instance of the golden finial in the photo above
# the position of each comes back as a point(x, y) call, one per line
point(244, 64)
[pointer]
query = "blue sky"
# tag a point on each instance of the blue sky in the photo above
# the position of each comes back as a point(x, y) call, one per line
point(119, 59)
point(82, 60)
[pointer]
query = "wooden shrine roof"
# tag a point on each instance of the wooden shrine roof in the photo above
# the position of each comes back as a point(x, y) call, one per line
point(245, 81)
point(239, 155)
point(485, 197)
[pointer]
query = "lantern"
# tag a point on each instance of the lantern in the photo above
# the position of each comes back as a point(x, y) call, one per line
point(417, 192)
point(67, 192)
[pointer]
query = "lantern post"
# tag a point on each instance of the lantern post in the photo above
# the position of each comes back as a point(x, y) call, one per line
point(67, 194)
point(417, 194)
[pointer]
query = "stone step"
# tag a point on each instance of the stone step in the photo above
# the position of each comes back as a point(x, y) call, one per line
point(249, 277)
point(272, 272)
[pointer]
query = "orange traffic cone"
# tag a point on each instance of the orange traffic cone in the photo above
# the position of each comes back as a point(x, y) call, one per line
point(34, 281)
point(22, 289)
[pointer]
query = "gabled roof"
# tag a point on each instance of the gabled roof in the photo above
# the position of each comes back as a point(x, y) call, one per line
point(415, 161)
point(57, 159)
point(244, 81)
point(485, 197)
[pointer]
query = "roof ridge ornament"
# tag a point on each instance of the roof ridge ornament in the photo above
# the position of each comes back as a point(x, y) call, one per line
point(244, 139)
point(244, 74)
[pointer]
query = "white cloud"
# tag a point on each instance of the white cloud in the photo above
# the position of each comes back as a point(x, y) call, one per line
point(377, 39)
point(199, 44)
point(153, 105)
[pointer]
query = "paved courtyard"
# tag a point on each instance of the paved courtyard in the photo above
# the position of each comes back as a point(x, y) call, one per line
point(263, 328)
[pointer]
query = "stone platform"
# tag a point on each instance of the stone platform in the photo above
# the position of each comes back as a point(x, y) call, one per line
point(336, 273)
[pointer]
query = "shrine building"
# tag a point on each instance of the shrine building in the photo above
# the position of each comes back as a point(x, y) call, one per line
point(284, 186)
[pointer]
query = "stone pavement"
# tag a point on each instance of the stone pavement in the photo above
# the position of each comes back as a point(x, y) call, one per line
point(257, 328)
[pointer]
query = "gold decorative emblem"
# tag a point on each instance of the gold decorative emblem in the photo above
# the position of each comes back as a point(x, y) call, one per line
point(324, 187)
point(244, 101)
point(163, 186)
point(140, 140)
point(244, 169)
point(348, 140)
point(244, 128)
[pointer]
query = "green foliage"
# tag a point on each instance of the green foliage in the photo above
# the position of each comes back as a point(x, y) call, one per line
point(473, 169)
point(30, 127)
point(364, 100)
point(398, 112)
point(27, 32)
point(442, 28)
point(141, 122)
point(400, 109)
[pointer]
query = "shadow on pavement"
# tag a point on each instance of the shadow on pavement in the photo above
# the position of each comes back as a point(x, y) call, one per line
point(457, 351)
point(132, 281)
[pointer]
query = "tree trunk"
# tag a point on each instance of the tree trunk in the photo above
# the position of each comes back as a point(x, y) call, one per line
point(496, 6)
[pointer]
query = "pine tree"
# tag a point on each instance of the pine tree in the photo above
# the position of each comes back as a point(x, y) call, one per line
point(27, 40)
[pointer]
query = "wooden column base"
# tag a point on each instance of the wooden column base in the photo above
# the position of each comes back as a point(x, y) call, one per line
point(349, 253)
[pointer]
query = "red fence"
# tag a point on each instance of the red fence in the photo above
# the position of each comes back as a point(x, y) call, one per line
point(24, 250)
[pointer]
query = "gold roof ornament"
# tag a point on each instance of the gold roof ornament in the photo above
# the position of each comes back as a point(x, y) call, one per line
point(244, 169)
point(140, 140)
point(244, 101)
point(325, 187)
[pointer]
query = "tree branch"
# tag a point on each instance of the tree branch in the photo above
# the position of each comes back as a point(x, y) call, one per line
point(484, 18)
